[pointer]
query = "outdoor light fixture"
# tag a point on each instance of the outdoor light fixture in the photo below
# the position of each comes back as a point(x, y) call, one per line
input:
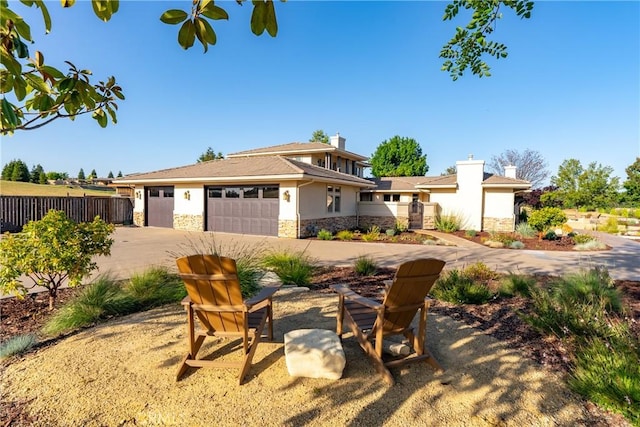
point(138, 194)
point(286, 196)
point(187, 195)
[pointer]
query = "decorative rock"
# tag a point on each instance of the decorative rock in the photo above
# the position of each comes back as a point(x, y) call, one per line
point(395, 348)
point(314, 353)
point(269, 278)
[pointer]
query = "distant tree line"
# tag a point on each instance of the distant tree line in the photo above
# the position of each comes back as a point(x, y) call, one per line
point(17, 170)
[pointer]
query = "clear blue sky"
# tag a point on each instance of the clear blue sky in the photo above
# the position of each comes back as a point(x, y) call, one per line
point(570, 87)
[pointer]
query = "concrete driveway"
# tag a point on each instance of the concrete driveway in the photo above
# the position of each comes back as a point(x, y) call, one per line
point(135, 249)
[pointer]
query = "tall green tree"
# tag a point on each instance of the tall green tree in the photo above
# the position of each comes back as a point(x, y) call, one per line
point(119, 174)
point(319, 136)
point(398, 156)
point(209, 155)
point(93, 174)
point(16, 170)
point(593, 187)
point(110, 175)
point(40, 93)
point(36, 174)
point(632, 183)
point(81, 175)
point(530, 165)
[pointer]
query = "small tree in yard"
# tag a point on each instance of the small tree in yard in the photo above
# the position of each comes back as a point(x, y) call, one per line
point(545, 218)
point(52, 251)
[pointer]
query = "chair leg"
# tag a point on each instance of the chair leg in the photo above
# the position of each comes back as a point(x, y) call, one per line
point(194, 343)
point(340, 316)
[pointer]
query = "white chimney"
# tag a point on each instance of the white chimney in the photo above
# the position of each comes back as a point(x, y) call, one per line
point(337, 141)
point(510, 171)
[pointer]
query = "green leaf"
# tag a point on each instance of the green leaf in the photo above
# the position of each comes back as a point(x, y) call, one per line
point(173, 16)
point(37, 83)
point(112, 114)
point(53, 72)
point(212, 11)
point(6, 81)
point(21, 49)
point(67, 3)
point(102, 9)
point(270, 19)
point(258, 17)
point(100, 117)
point(9, 113)
point(187, 35)
point(205, 33)
point(19, 87)
point(66, 84)
point(11, 64)
point(23, 29)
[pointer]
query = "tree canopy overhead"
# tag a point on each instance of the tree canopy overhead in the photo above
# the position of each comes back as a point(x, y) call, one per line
point(398, 156)
point(40, 93)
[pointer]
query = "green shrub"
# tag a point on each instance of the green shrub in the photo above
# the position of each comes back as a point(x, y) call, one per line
point(517, 245)
point(448, 223)
point(480, 271)
point(344, 235)
point(516, 284)
point(582, 238)
point(545, 218)
point(325, 235)
point(154, 287)
point(17, 345)
point(455, 287)
point(592, 245)
point(390, 232)
point(505, 238)
point(365, 266)
point(523, 229)
point(292, 268)
point(614, 211)
point(610, 226)
point(372, 234)
point(402, 226)
point(471, 233)
point(550, 235)
point(607, 372)
point(97, 301)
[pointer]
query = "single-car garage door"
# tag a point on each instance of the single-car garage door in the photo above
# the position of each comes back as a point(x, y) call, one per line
point(243, 210)
point(159, 206)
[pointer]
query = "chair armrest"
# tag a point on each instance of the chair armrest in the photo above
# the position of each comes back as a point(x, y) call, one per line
point(265, 293)
point(346, 292)
point(186, 300)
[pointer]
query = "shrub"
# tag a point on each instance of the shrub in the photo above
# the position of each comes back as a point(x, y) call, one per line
point(505, 238)
point(292, 268)
point(545, 218)
point(365, 266)
point(592, 245)
point(470, 233)
point(480, 271)
point(517, 245)
point(516, 284)
point(325, 235)
point(524, 229)
point(448, 223)
point(17, 345)
point(610, 226)
point(550, 235)
point(372, 234)
point(402, 226)
point(51, 251)
point(390, 232)
point(155, 287)
point(455, 287)
point(582, 238)
point(344, 235)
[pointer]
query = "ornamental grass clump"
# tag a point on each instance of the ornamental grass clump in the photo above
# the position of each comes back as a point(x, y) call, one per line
point(455, 287)
point(525, 230)
point(344, 235)
point(448, 223)
point(516, 284)
point(372, 234)
point(17, 345)
point(325, 235)
point(365, 266)
point(154, 287)
point(293, 268)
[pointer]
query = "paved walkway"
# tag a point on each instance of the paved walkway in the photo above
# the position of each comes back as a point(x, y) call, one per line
point(135, 249)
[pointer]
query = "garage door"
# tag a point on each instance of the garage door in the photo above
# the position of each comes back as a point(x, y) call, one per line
point(243, 210)
point(159, 206)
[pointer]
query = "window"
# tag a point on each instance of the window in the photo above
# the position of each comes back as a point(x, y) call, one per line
point(232, 193)
point(168, 193)
point(366, 197)
point(391, 197)
point(154, 192)
point(270, 193)
point(395, 197)
point(250, 193)
point(333, 199)
point(215, 193)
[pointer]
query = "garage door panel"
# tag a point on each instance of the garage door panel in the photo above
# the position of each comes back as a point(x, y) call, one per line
point(160, 204)
point(251, 215)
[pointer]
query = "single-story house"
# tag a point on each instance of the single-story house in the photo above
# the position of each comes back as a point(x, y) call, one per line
point(294, 190)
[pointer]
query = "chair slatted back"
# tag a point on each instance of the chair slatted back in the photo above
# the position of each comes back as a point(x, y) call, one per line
point(214, 288)
point(412, 282)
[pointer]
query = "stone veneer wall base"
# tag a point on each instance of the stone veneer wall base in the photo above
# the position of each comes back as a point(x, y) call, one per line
point(138, 219)
point(503, 225)
point(188, 222)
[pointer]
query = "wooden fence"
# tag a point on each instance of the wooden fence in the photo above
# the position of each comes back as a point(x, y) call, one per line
point(16, 211)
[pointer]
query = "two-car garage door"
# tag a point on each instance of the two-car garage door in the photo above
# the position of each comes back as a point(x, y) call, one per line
point(243, 210)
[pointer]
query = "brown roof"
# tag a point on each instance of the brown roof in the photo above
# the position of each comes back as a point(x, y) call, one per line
point(293, 148)
point(411, 183)
point(503, 181)
point(244, 167)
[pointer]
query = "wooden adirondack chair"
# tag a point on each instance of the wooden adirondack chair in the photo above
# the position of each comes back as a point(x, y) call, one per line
point(214, 296)
point(371, 321)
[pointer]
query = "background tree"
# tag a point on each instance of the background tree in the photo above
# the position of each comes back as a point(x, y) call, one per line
point(36, 173)
point(451, 170)
point(319, 136)
point(81, 175)
point(589, 188)
point(16, 170)
point(43, 178)
point(119, 174)
point(110, 175)
point(632, 183)
point(54, 176)
point(93, 174)
point(40, 93)
point(530, 165)
point(209, 155)
point(52, 251)
point(535, 196)
point(398, 156)
point(546, 218)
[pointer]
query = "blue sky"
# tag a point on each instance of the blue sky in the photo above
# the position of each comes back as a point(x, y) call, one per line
point(570, 87)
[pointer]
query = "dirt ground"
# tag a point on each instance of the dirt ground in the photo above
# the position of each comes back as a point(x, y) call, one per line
point(121, 373)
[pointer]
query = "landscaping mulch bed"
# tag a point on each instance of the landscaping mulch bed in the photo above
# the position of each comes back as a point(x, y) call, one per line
point(533, 243)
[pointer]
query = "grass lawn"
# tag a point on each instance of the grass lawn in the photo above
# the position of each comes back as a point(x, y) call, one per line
point(11, 188)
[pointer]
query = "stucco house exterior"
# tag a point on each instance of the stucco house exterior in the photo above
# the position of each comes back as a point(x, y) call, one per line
point(293, 190)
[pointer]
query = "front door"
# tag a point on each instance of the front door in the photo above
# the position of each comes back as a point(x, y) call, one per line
point(415, 213)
